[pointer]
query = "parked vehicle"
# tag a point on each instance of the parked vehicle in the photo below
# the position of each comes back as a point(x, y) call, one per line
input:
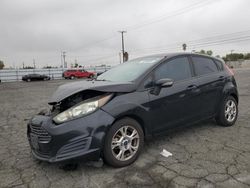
point(35, 77)
point(140, 99)
point(80, 73)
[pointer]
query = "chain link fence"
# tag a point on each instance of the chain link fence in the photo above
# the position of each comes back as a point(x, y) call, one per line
point(13, 75)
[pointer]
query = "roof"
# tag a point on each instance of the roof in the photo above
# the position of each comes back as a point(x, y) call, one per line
point(179, 53)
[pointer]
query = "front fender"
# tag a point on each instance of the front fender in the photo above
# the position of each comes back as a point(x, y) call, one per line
point(132, 105)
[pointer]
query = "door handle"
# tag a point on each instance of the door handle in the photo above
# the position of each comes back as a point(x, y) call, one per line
point(192, 87)
point(221, 78)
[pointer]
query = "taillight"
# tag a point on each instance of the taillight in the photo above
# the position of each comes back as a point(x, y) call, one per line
point(230, 71)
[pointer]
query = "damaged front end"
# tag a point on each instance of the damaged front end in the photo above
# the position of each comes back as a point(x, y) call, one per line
point(73, 128)
point(79, 105)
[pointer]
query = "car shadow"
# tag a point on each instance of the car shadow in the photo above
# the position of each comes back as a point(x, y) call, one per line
point(153, 144)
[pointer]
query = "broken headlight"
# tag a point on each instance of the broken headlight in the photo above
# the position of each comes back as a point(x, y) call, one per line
point(82, 109)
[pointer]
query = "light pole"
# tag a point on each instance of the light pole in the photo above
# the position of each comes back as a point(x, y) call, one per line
point(231, 54)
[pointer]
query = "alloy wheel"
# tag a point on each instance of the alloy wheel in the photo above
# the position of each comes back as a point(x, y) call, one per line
point(230, 110)
point(125, 143)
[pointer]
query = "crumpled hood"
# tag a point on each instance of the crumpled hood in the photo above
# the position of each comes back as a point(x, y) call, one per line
point(67, 90)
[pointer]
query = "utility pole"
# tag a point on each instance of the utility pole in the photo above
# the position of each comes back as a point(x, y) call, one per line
point(122, 44)
point(64, 57)
point(120, 58)
point(61, 60)
point(76, 64)
point(231, 54)
point(34, 63)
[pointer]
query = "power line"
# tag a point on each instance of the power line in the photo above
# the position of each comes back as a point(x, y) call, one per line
point(155, 20)
point(170, 15)
point(224, 42)
point(238, 34)
point(206, 44)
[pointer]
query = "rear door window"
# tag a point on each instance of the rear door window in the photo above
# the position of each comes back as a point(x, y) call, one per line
point(203, 65)
point(176, 69)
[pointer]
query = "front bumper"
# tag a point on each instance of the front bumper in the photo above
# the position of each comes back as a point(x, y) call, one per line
point(81, 138)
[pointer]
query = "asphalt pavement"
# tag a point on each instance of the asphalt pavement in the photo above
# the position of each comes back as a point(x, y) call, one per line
point(203, 155)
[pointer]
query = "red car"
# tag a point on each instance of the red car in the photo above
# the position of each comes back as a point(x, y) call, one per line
point(81, 73)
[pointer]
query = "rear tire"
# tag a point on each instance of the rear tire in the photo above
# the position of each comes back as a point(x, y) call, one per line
point(228, 112)
point(72, 77)
point(123, 143)
point(28, 80)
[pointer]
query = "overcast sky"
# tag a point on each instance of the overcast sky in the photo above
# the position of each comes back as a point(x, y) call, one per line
point(87, 30)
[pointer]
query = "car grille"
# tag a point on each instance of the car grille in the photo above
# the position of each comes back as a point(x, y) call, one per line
point(41, 133)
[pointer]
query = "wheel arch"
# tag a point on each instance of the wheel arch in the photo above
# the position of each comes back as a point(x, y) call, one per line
point(139, 120)
point(235, 96)
point(230, 90)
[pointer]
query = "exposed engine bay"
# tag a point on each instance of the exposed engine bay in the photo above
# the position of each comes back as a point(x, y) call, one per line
point(73, 100)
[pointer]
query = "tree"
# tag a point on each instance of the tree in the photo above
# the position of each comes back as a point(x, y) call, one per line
point(210, 52)
point(202, 52)
point(235, 57)
point(28, 67)
point(1, 64)
point(225, 58)
point(184, 47)
point(247, 56)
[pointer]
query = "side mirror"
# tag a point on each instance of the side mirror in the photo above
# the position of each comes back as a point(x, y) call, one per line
point(164, 82)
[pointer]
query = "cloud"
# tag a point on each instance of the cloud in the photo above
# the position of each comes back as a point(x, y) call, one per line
point(87, 30)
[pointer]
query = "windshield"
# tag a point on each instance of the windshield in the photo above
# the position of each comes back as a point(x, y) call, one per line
point(130, 70)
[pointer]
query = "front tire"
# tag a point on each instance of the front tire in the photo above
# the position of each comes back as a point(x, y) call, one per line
point(228, 112)
point(124, 142)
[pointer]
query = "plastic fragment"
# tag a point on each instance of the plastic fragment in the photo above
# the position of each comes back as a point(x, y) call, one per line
point(166, 153)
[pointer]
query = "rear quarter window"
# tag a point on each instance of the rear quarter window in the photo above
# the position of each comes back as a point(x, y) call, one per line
point(203, 65)
point(219, 64)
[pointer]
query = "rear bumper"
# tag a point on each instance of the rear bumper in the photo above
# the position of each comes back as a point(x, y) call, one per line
point(77, 139)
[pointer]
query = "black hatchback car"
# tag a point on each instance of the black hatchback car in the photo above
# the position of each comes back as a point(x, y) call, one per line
point(111, 116)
